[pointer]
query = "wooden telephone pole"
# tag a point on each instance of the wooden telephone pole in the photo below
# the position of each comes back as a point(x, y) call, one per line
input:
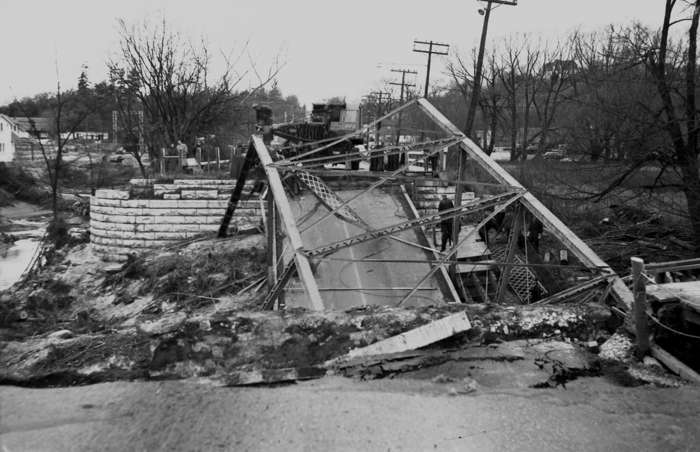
point(394, 160)
point(377, 163)
point(476, 88)
point(434, 48)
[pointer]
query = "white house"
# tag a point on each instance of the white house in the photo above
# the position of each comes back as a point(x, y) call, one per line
point(8, 131)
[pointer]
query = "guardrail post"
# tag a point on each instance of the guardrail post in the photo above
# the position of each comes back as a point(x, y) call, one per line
point(641, 325)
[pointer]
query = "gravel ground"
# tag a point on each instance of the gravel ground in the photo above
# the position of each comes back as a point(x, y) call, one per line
point(343, 414)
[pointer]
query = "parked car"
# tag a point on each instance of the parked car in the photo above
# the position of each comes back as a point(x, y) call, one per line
point(554, 154)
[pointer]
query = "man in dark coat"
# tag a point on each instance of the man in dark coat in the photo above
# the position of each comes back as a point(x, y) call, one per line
point(446, 223)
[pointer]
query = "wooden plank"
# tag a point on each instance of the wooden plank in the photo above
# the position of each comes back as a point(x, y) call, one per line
point(686, 264)
point(271, 239)
point(674, 364)
point(688, 293)
point(443, 271)
point(279, 251)
point(571, 291)
point(577, 246)
point(287, 217)
point(416, 338)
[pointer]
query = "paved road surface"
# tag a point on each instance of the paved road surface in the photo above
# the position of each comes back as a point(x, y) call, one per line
point(338, 414)
point(378, 209)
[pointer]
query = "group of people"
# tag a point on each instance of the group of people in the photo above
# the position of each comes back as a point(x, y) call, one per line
point(500, 222)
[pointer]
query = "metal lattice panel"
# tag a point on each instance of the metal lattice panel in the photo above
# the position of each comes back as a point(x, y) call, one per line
point(521, 279)
point(328, 197)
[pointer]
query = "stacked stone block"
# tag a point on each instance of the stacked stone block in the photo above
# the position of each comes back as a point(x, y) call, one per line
point(120, 225)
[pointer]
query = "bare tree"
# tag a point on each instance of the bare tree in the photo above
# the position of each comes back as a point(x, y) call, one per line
point(491, 99)
point(171, 78)
point(129, 114)
point(652, 74)
point(678, 96)
point(553, 81)
point(67, 112)
point(529, 86)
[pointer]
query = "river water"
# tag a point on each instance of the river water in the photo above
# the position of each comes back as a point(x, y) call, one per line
point(14, 260)
point(14, 257)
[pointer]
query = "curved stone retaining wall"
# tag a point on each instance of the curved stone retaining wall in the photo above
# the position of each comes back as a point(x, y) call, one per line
point(120, 225)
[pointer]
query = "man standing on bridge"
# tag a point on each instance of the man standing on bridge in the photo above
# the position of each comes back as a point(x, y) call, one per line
point(446, 223)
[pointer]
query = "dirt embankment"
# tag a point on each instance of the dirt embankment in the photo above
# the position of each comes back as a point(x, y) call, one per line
point(195, 312)
point(18, 185)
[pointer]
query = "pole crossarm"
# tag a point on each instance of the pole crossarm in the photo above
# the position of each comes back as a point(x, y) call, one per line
point(465, 209)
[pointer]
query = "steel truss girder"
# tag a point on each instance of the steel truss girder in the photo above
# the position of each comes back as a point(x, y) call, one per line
point(390, 150)
point(553, 224)
point(359, 131)
point(282, 280)
point(344, 204)
point(423, 221)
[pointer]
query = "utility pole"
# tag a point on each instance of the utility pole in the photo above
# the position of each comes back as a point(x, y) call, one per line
point(377, 163)
point(396, 160)
point(471, 113)
point(476, 86)
point(440, 49)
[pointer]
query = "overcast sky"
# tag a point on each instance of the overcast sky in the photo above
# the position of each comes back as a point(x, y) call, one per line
point(329, 48)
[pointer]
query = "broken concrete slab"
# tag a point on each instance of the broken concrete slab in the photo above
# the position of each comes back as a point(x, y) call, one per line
point(416, 338)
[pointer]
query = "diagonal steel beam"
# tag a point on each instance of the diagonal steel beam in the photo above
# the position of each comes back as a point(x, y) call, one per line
point(285, 211)
point(553, 224)
point(465, 209)
point(282, 280)
point(368, 189)
point(389, 150)
point(456, 246)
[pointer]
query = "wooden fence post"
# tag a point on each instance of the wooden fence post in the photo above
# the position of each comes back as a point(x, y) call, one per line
point(641, 325)
point(218, 159)
point(271, 241)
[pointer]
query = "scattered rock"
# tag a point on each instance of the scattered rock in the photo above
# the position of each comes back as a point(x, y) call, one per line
point(617, 348)
point(467, 386)
point(60, 335)
point(651, 362)
point(113, 268)
point(442, 378)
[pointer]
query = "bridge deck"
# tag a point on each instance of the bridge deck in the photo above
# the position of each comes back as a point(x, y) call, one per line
point(381, 283)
